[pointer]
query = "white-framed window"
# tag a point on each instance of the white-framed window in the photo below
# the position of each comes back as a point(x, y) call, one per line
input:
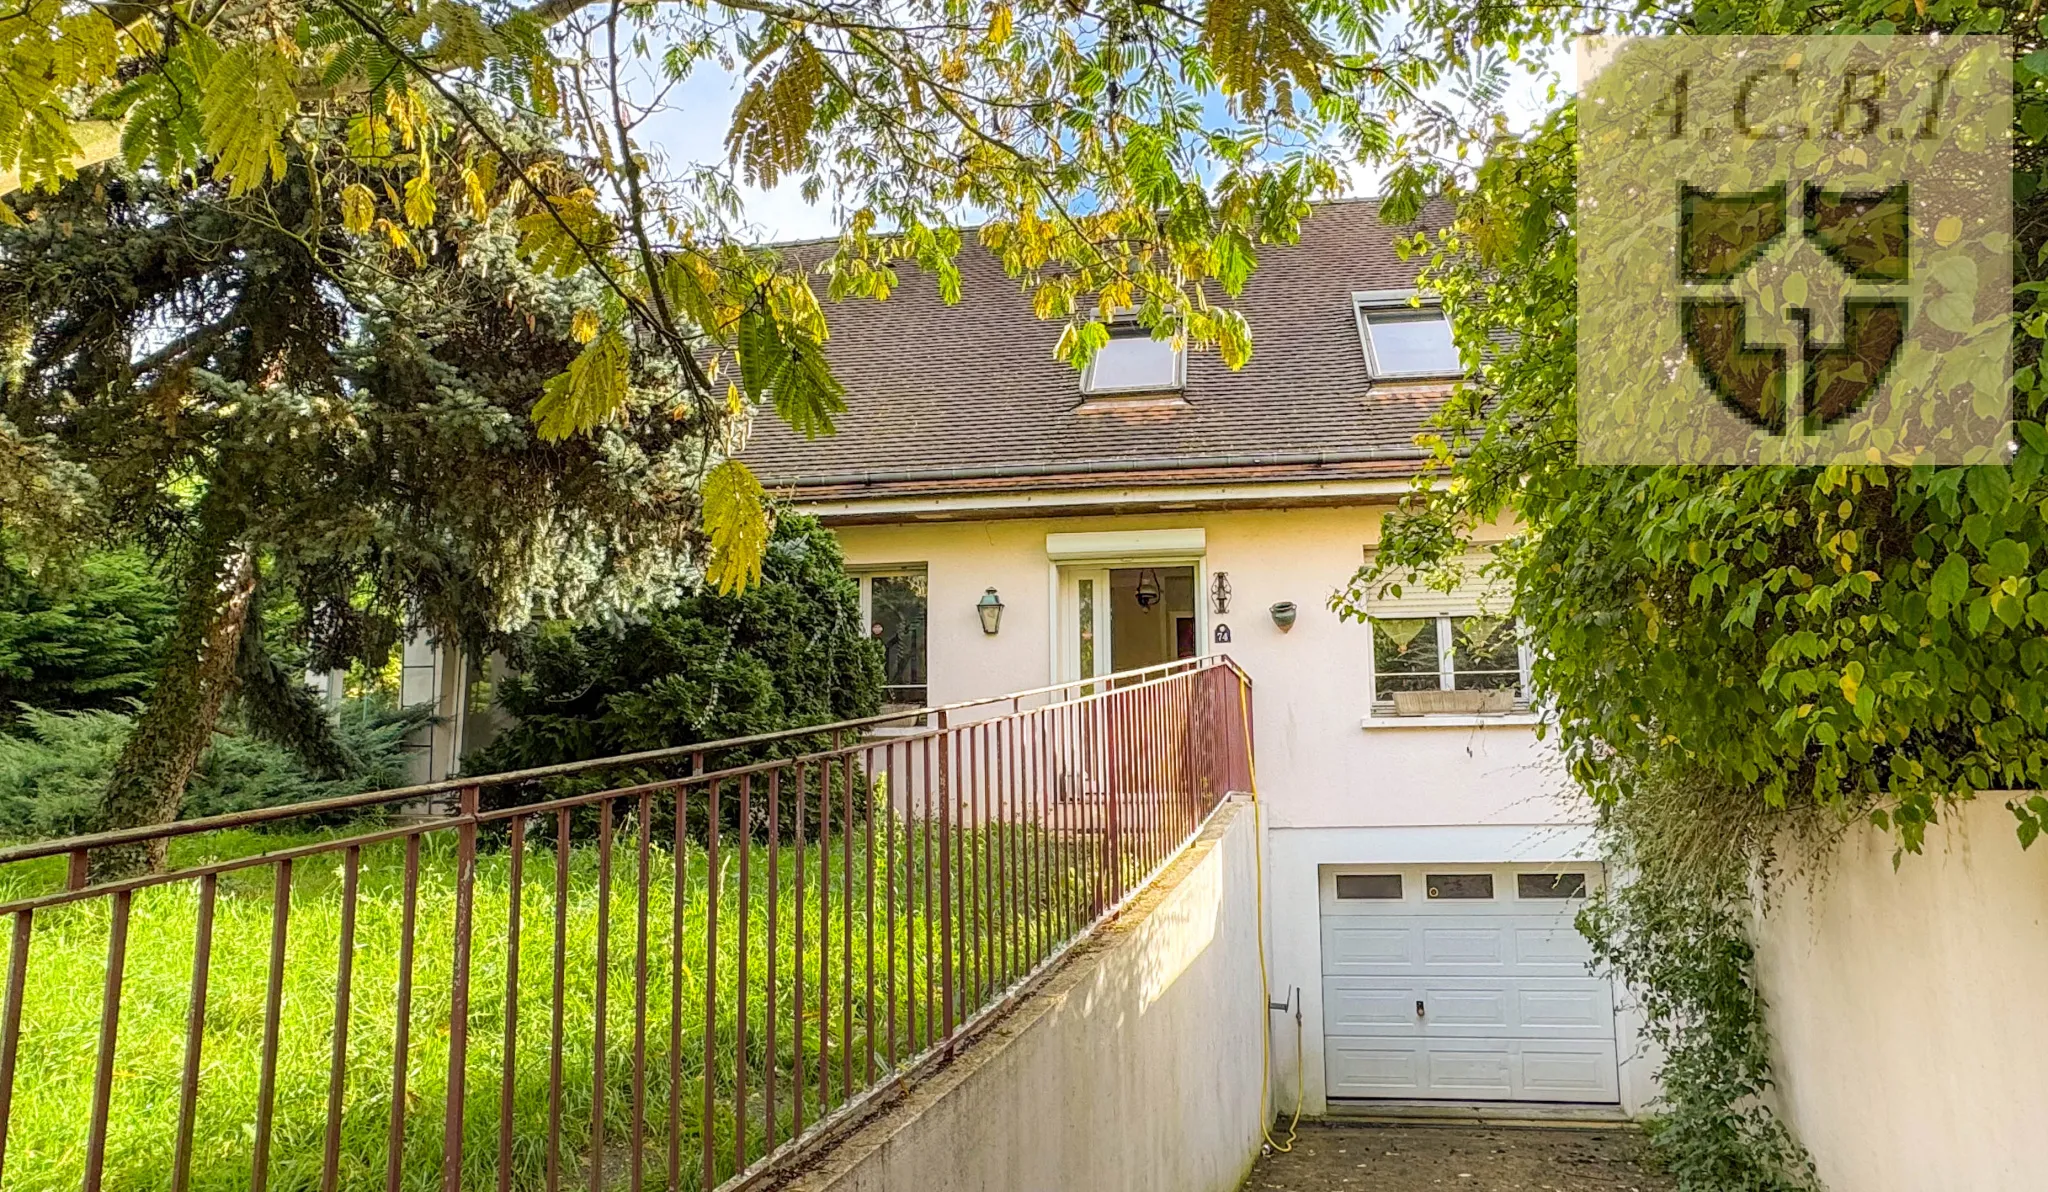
point(1134, 362)
point(1405, 340)
point(1447, 652)
point(895, 606)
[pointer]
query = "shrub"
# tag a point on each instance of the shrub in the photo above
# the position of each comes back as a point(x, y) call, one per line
point(707, 666)
point(86, 639)
point(54, 768)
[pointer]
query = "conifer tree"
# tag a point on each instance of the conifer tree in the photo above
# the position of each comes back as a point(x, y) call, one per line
point(285, 407)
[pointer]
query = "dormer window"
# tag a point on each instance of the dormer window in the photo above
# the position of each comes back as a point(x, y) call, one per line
point(1403, 340)
point(1133, 362)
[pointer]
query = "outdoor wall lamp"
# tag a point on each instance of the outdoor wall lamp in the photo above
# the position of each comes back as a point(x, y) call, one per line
point(1283, 615)
point(990, 606)
point(1148, 589)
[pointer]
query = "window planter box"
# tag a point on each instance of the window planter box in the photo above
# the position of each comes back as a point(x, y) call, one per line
point(1491, 702)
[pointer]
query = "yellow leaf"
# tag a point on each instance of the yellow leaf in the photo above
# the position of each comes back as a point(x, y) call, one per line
point(736, 515)
point(419, 201)
point(1948, 231)
point(999, 23)
point(358, 208)
point(552, 248)
point(583, 327)
point(473, 187)
point(589, 393)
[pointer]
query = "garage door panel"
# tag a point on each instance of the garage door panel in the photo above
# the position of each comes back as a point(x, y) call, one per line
point(1470, 1007)
point(1350, 946)
point(1464, 946)
point(1480, 1070)
point(1375, 1068)
point(1553, 947)
point(1562, 1072)
point(1563, 1007)
point(1352, 1005)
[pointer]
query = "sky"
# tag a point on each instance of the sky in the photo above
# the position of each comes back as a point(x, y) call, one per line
point(691, 129)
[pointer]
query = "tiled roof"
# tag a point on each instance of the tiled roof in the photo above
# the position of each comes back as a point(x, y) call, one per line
point(940, 395)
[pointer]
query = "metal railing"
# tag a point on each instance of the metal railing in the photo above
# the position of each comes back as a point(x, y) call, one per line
point(786, 939)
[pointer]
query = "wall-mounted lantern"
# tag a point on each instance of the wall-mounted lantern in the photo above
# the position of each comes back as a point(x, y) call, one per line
point(1283, 615)
point(990, 606)
point(1148, 589)
point(1219, 593)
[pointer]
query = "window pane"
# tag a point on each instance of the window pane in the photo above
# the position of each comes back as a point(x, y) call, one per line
point(897, 604)
point(1485, 654)
point(1460, 885)
point(1412, 342)
point(1404, 655)
point(1134, 362)
point(1086, 590)
point(1550, 885)
point(1368, 885)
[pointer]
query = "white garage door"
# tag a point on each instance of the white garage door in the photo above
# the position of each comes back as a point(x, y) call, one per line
point(1463, 983)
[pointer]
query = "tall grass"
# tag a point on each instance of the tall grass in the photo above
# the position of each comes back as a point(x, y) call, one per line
point(47, 1138)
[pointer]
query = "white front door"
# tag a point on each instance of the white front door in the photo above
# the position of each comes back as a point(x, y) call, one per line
point(1084, 622)
point(1463, 982)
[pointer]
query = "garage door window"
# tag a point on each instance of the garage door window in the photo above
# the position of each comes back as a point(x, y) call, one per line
point(1368, 885)
point(1550, 885)
point(1460, 885)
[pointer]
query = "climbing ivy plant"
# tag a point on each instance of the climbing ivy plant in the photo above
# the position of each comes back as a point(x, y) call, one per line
point(1867, 639)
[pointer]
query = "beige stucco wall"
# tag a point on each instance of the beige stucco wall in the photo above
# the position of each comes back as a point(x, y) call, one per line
point(1907, 1008)
point(1135, 1069)
point(1317, 766)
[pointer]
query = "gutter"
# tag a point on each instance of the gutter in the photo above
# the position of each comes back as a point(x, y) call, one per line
point(1093, 467)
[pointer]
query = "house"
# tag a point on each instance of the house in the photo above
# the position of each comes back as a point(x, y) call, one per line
point(1013, 523)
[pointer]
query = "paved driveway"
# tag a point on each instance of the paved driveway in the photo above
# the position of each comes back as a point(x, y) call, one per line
point(1473, 1158)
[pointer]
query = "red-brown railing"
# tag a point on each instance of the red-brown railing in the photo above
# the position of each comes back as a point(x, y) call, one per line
point(789, 939)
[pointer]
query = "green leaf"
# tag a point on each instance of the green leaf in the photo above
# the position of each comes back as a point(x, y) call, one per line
point(2033, 117)
point(589, 393)
point(781, 363)
point(1951, 580)
point(249, 96)
point(2008, 557)
point(1232, 260)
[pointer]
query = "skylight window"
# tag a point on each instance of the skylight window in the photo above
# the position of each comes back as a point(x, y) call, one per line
point(1133, 362)
point(1406, 341)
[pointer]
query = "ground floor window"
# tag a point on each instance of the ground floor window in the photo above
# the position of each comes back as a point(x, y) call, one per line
point(1447, 653)
point(894, 605)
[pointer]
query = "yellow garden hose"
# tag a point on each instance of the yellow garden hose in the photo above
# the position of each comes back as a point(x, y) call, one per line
point(1265, 981)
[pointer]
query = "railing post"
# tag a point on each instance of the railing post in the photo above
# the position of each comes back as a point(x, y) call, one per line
point(1112, 764)
point(77, 869)
point(458, 997)
point(945, 882)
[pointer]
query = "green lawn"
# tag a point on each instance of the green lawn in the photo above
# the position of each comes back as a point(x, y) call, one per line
point(46, 1145)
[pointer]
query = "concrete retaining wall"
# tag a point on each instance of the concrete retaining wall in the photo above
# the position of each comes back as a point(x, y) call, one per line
point(1135, 1068)
point(1907, 1006)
